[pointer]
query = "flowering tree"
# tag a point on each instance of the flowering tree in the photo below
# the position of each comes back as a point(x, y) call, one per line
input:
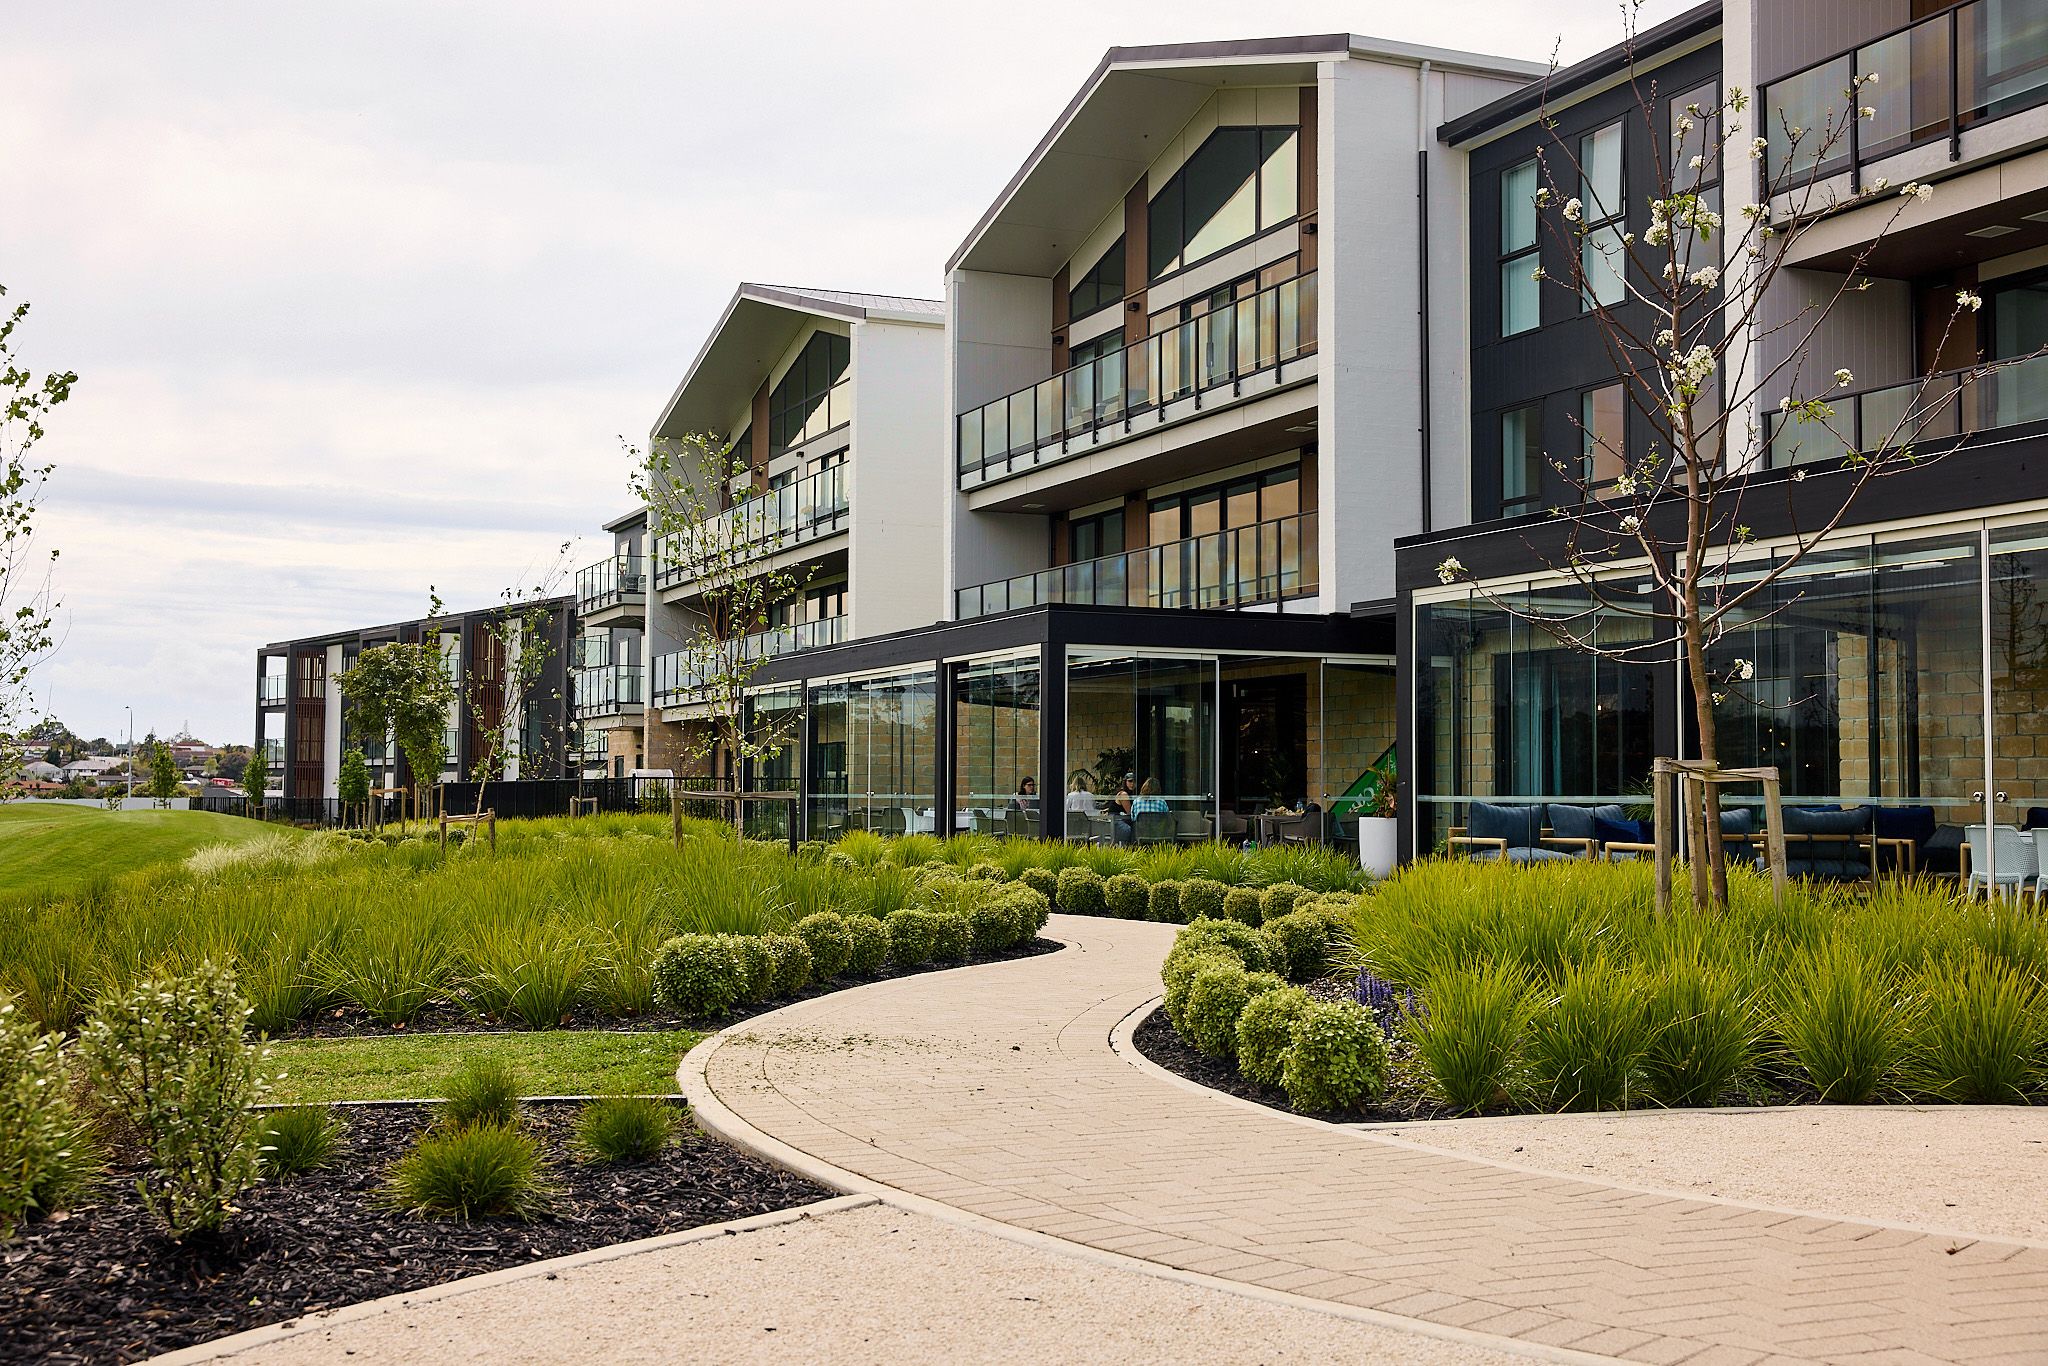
point(499, 683)
point(27, 607)
point(1687, 312)
point(726, 555)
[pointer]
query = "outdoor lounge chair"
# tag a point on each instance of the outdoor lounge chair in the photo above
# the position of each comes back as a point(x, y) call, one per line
point(1512, 834)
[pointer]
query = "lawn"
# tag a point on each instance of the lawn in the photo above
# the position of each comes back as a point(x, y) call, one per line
point(559, 1062)
point(45, 845)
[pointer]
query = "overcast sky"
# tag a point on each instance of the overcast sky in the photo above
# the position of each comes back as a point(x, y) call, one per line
point(362, 295)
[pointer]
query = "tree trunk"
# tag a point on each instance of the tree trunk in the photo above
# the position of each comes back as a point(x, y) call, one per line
point(1703, 718)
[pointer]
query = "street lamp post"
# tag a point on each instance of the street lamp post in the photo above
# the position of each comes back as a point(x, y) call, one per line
point(131, 752)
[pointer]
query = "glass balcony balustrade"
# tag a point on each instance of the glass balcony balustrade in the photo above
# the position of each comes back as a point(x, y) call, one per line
point(684, 675)
point(610, 582)
point(769, 522)
point(610, 690)
point(1949, 404)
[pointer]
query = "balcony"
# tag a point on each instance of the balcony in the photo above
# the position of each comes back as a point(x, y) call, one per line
point(1247, 566)
point(1946, 405)
point(1938, 77)
point(1168, 376)
point(620, 581)
point(271, 690)
point(609, 690)
point(764, 525)
point(686, 675)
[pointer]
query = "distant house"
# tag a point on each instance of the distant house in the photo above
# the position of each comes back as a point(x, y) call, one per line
point(42, 771)
point(93, 767)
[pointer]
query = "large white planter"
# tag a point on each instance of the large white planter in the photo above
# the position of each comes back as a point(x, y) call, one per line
point(1378, 844)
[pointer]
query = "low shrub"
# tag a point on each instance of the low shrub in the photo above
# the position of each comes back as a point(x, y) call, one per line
point(913, 936)
point(1224, 936)
point(757, 966)
point(1468, 1035)
point(792, 962)
point(1080, 892)
point(1842, 1020)
point(1280, 899)
point(172, 1062)
point(952, 937)
point(1126, 896)
point(624, 1128)
point(698, 976)
point(992, 925)
point(39, 1128)
point(1244, 905)
point(1336, 1058)
point(1163, 901)
point(1201, 898)
point(1032, 908)
point(830, 942)
point(298, 1139)
point(481, 1091)
point(1703, 1032)
point(478, 1171)
point(1265, 1032)
point(1044, 881)
point(1178, 975)
point(1297, 945)
point(988, 872)
point(811, 851)
point(868, 945)
point(1216, 997)
point(1587, 1041)
point(1981, 1033)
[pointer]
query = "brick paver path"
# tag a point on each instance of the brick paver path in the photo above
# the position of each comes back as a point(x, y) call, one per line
point(994, 1089)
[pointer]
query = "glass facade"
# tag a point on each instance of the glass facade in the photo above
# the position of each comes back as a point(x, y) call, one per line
point(872, 754)
point(997, 788)
point(1870, 683)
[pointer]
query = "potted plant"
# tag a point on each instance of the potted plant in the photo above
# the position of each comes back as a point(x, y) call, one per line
point(1378, 841)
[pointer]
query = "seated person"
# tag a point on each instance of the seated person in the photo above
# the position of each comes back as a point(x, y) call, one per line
point(1026, 800)
point(1148, 798)
point(1081, 795)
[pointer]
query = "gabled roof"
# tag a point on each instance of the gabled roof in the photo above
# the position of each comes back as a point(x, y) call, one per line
point(1134, 100)
point(757, 326)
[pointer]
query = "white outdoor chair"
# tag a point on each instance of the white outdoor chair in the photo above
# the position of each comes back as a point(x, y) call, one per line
point(2017, 864)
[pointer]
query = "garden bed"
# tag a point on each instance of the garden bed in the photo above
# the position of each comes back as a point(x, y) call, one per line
point(101, 1284)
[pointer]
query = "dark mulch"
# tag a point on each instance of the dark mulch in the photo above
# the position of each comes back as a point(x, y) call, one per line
point(102, 1285)
point(449, 1017)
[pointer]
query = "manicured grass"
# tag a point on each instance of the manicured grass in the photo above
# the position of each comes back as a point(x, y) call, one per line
point(45, 845)
point(551, 1063)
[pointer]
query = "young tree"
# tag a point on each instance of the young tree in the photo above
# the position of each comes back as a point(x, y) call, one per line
point(27, 605)
point(163, 776)
point(500, 683)
point(256, 777)
point(352, 785)
point(1684, 302)
point(404, 690)
point(710, 534)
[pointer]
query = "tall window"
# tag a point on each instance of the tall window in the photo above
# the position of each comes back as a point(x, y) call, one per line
point(1238, 183)
point(1521, 458)
point(1521, 304)
point(1103, 285)
point(1094, 537)
point(1601, 253)
point(809, 401)
point(1603, 417)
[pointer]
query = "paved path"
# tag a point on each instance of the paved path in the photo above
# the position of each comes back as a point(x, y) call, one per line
point(995, 1090)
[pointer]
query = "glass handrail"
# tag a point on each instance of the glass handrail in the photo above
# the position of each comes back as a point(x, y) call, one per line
point(1249, 336)
point(684, 673)
point(1948, 404)
point(772, 520)
point(1240, 567)
point(609, 581)
point(608, 690)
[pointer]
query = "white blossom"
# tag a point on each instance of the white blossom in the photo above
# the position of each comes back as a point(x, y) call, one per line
point(1450, 571)
point(1573, 210)
point(1631, 522)
point(1966, 299)
point(1537, 274)
point(1665, 337)
point(1697, 161)
point(1684, 126)
point(1866, 112)
point(1844, 379)
point(1757, 147)
point(1785, 404)
point(1871, 79)
point(1625, 485)
point(1694, 366)
point(1745, 670)
point(1706, 277)
point(1799, 476)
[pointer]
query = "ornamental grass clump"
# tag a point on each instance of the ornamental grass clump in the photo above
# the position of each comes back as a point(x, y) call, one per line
point(1982, 1032)
point(1468, 1035)
point(830, 942)
point(624, 1128)
point(392, 969)
point(481, 1091)
point(1586, 1040)
point(698, 976)
point(527, 968)
point(170, 1061)
point(1705, 1031)
point(1162, 902)
point(1843, 1020)
point(1265, 1031)
point(1080, 892)
point(1126, 896)
point(474, 1172)
point(42, 1155)
point(298, 1139)
point(1336, 1058)
point(868, 945)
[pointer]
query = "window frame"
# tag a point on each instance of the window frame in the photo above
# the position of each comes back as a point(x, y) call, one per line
point(1610, 222)
point(1529, 254)
point(1594, 450)
point(1176, 185)
point(1096, 279)
point(1531, 466)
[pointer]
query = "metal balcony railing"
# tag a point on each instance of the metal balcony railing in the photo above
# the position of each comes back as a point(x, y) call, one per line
point(767, 523)
point(1241, 567)
point(1262, 332)
point(685, 674)
point(271, 690)
point(1948, 404)
point(609, 691)
point(610, 582)
point(1967, 65)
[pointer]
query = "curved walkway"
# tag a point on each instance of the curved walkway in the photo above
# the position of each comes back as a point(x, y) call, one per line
point(995, 1090)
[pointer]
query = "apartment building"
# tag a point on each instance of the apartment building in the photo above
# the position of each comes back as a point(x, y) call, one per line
point(1190, 392)
point(301, 721)
point(1900, 666)
point(608, 659)
point(828, 403)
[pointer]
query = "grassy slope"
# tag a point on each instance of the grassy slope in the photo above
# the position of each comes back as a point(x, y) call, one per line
point(43, 844)
point(550, 1063)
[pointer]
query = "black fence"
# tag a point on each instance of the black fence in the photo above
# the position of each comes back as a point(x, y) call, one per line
point(524, 799)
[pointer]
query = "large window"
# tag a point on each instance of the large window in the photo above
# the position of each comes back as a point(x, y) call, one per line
point(1096, 536)
point(995, 747)
point(1521, 458)
point(1237, 184)
point(1601, 251)
point(810, 399)
point(1603, 420)
point(1521, 300)
point(874, 754)
point(1103, 285)
point(1152, 720)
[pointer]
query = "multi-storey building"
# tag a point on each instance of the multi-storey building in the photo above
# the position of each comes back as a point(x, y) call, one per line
point(608, 661)
point(1899, 665)
point(302, 724)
